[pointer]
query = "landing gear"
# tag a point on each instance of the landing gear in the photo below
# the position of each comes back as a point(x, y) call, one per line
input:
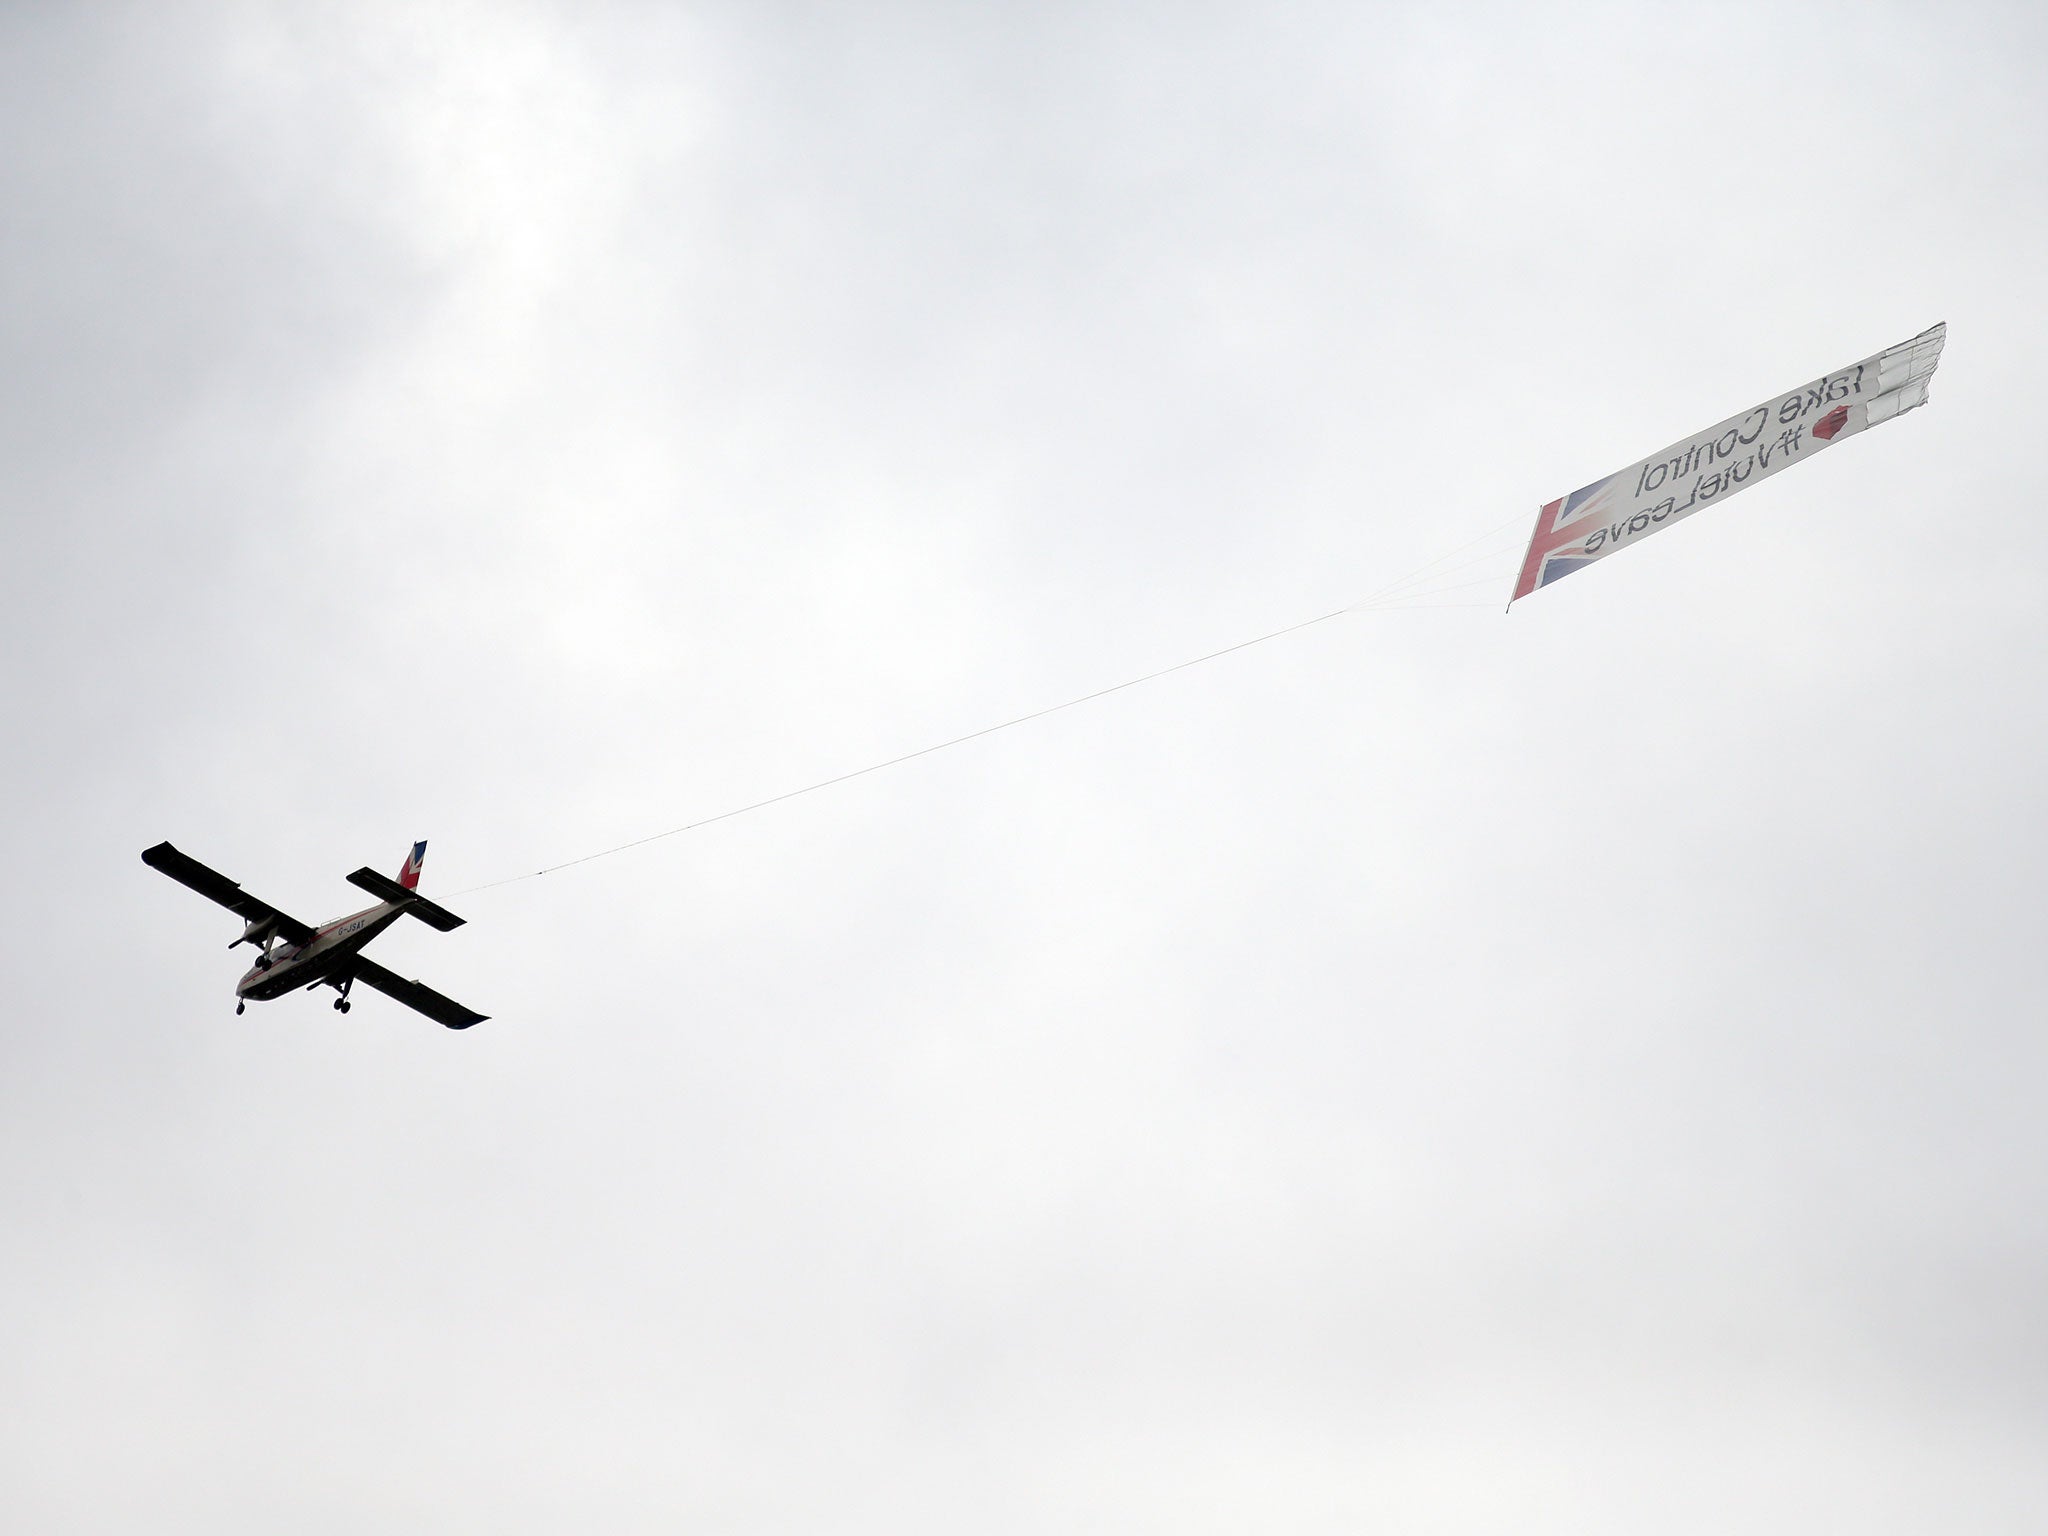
point(341, 1005)
point(342, 986)
point(239, 1007)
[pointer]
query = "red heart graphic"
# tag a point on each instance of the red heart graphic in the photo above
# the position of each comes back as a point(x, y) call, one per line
point(1830, 424)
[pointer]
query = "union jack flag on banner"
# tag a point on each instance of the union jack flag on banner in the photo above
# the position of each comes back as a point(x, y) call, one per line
point(1627, 506)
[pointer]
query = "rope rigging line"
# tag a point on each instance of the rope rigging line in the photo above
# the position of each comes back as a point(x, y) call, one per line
point(1395, 595)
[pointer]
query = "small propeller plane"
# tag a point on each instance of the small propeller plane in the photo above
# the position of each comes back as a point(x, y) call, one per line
point(293, 954)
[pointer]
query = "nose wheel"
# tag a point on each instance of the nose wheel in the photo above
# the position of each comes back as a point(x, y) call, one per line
point(240, 1009)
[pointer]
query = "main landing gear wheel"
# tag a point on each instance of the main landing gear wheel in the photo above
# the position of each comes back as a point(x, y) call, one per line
point(341, 1005)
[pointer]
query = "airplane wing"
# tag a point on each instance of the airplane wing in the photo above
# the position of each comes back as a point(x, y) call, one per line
point(219, 888)
point(442, 1010)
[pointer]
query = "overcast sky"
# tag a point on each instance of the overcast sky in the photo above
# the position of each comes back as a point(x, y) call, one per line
point(1572, 1071)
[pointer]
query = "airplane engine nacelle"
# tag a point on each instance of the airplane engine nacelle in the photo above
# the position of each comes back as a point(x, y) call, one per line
point(259, 932)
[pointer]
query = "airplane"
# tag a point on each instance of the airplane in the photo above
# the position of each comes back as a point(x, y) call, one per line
point(293, 954)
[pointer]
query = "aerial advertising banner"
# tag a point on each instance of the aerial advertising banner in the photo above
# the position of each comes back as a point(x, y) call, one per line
point(1631, 504)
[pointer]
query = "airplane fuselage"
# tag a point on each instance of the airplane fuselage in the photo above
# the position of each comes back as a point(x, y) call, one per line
point(287, 967)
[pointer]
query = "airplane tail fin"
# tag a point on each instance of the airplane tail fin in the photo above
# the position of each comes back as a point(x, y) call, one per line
point(409, 877)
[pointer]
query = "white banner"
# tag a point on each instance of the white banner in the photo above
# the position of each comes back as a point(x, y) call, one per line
point(1610, 514)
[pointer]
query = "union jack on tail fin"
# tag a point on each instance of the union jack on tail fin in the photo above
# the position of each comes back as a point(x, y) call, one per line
point(409, 877)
